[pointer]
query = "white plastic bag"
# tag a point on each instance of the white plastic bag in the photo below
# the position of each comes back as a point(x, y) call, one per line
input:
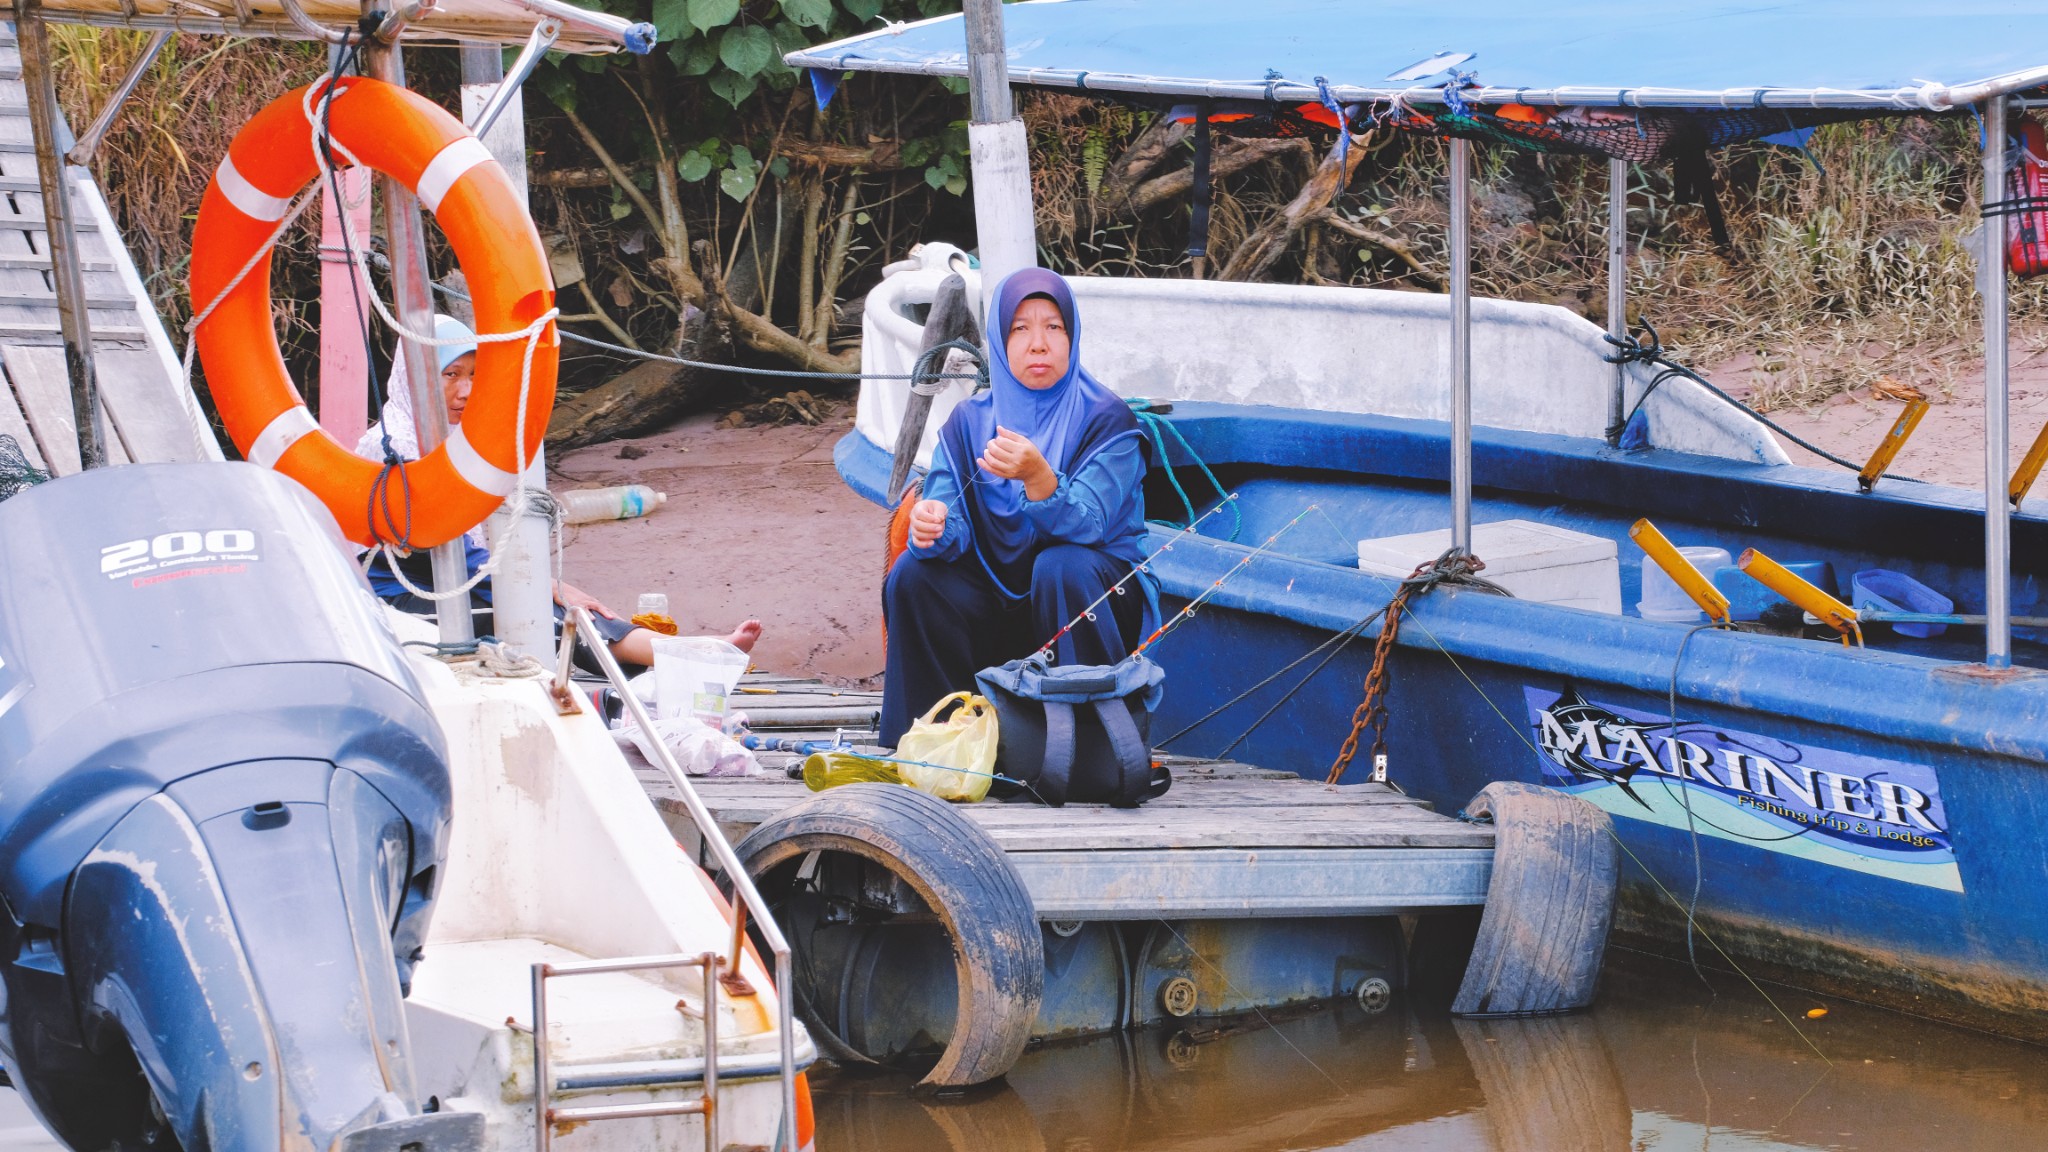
point(701, 749)
point(693, 676)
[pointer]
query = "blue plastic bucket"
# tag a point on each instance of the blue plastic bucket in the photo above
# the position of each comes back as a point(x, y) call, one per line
point(1889, 591)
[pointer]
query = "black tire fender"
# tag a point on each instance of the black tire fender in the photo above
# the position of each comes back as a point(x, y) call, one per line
point(964, 876)
point(1548, 906)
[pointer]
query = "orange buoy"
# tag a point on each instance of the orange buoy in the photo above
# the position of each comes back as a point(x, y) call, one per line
point(406, 137)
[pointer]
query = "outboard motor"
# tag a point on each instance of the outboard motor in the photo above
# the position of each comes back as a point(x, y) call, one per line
point(222, 804)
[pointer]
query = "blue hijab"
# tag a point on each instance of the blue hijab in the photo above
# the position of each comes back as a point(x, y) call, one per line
point(1069, 422)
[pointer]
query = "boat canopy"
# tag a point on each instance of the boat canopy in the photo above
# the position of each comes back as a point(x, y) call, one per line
point(443, 22)
point(1847, 55)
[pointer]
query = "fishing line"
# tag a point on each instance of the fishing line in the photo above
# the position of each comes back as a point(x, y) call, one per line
point(1339, 638)
point(1263, 1018)
point(1699, 873)
point(1699, 1077)
point(1144, 565)
point(1185, 613)
point(1612, 835)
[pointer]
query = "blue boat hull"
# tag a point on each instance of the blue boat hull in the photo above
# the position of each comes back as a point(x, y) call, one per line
point(1868, 821)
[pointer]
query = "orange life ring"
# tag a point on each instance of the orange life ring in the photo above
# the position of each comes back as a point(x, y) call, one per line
point(408, 138)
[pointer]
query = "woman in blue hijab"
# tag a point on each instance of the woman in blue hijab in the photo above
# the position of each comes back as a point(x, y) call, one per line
point(1033, 507)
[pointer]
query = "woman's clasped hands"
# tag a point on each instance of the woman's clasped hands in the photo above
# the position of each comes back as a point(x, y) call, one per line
point(1013, 457)
point(1007, 456)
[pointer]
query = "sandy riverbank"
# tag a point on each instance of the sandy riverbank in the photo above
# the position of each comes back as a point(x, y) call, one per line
point(759, 524)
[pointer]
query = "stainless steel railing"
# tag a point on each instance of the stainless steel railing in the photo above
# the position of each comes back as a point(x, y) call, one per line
point(746, 901)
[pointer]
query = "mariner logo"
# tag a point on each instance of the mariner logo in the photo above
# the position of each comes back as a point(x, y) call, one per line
point(1779, 789)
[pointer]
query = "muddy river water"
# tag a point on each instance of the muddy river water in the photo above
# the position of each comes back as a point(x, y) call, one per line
point(1661, 1064)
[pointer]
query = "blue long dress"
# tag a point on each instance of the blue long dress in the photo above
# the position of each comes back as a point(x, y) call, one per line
point(1007, 572)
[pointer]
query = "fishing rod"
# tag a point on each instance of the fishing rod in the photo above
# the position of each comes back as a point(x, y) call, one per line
point(1254, 554)
point(1088, 613)
point(754, 743)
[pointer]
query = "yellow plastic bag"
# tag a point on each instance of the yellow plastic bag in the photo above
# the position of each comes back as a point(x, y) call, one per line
point(954, 758)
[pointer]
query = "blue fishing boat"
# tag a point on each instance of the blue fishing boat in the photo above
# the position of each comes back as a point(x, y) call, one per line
point(1854, 804)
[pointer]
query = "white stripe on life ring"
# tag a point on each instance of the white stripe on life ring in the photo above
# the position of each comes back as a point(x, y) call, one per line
point(280, 434)
point(476, 471)
point(447, 167)
point(253, 202)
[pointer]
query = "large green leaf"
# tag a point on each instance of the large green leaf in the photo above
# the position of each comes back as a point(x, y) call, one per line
point(732, 87)
point(746, 50)
point(709, 14)
point(737, 183)
point(672, 19)
point(863, 10)
point(693, 57)
point(809, 13)
point(788, 38)
point(693, 166)
point(558, 86)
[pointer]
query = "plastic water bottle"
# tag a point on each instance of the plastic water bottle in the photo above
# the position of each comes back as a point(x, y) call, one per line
point(831, 768)
point(622, 502)
point(652, 613)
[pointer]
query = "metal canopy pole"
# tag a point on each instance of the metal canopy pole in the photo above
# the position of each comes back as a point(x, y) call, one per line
point(522, 591)
point(486, 66)
point(1997, 510)
point(412, 292)
point(81, 152)
point(1003, 223)
point(1617, 288)
point(1204, 193)
point(73, 323)
point(1461, 343)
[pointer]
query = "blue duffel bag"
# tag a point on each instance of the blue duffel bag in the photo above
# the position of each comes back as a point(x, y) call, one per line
point(1079, 734)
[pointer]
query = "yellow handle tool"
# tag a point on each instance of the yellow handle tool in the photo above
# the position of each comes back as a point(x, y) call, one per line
point(1779, 579)
point(1894, 440)
point(2029, 469)
point(1694, 583)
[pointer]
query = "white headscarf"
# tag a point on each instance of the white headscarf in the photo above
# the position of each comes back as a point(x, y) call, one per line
point(397, 417)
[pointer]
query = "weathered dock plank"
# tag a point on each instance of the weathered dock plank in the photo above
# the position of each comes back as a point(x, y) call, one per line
point(1246, 884)
point(1230, 840)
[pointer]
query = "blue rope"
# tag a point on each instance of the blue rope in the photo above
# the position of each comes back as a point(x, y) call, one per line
point(1159, 426)
point(1454, 92)
point(1329, 101)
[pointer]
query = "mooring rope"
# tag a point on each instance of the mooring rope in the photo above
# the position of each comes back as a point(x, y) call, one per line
point(1151, 418)
point(1630, 350)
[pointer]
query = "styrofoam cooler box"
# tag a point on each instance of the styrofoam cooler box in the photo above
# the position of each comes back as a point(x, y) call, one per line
point(1539, 562)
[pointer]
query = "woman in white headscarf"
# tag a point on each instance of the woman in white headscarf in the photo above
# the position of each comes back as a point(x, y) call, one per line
point(396, 435)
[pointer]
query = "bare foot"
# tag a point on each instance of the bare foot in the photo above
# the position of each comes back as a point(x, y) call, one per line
point(745, 636)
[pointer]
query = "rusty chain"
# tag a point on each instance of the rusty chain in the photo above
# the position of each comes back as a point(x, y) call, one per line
point(1456, 567)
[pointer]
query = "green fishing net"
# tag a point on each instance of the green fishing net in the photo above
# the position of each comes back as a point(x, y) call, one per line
point(16, 472)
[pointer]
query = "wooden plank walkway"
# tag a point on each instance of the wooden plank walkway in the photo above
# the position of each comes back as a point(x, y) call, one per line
point(149, 414)
point(1229, 839)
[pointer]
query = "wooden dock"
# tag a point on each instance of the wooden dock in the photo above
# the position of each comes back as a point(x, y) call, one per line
point(1229, 841)
point(149, 414)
